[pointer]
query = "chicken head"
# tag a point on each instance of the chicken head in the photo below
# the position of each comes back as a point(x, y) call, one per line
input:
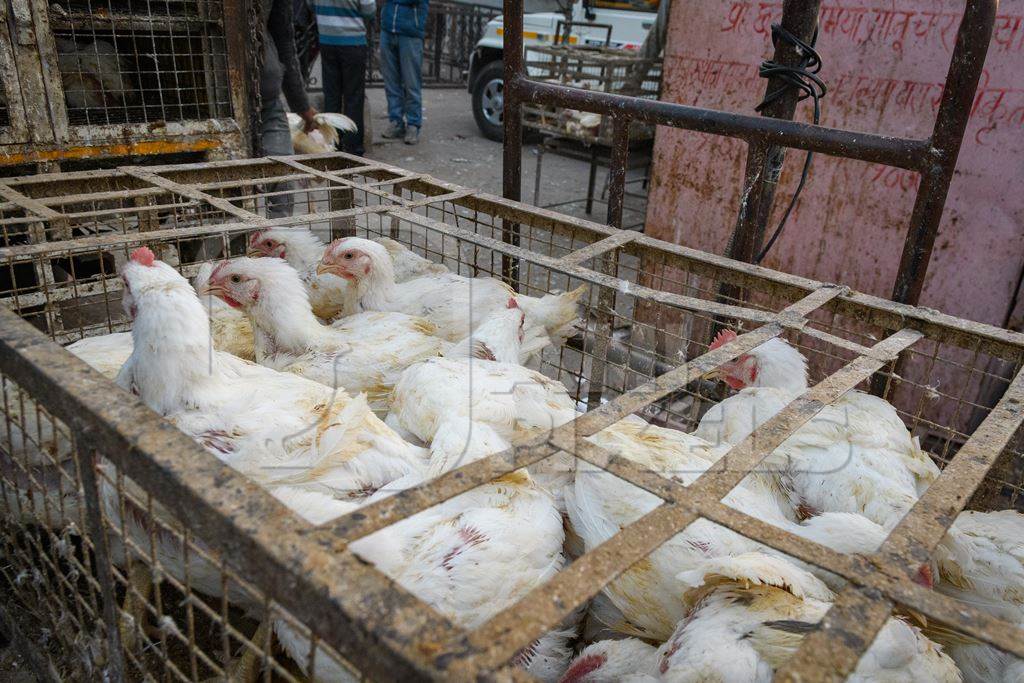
point(353, 258)
point(263, 243)
point(773, 364)
point(234, 283)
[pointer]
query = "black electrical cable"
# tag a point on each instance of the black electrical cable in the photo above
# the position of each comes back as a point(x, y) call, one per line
point(801, 77)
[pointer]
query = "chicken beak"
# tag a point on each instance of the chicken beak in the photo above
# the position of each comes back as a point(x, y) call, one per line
point(713, 375)
point(327, 268)
point(254, 253)
point(209, 289)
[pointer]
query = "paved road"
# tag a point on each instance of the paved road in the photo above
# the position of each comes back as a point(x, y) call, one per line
point(452, 148)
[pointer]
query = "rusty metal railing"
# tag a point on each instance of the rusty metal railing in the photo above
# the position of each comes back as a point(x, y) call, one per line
point(934, 158)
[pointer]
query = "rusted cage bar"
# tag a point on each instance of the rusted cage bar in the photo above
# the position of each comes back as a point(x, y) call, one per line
point(183, 558)
point(934, 158)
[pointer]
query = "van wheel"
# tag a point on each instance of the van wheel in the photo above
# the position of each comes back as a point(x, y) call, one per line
point(489, 100)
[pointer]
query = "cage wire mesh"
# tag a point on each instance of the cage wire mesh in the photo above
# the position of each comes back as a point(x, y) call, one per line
point(123, 61)
point(118, 544)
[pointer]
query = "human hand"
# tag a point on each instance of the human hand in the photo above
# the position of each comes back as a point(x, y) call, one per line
point(309, 119)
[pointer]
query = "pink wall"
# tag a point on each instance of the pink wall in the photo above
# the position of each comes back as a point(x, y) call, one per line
point(884, 63)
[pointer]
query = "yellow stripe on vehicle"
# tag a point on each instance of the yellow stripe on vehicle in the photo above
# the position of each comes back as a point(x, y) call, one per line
point(537, 36)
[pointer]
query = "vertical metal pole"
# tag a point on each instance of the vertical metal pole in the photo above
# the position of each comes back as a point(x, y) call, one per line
point(965, 68)
point(591, 180)
point(101, 551)
point(438, 43)
point(764, 161)
point(512, 156)
point(617, 170)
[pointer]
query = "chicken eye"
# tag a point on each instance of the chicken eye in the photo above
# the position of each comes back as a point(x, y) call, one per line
point(236, 278)
point(271, 244)
point(348, 256)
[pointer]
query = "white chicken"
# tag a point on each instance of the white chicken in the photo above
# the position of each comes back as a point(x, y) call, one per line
point(750, 614)
point(276, 427)
point(303, 250)
point(324, 136)
point(361, 353)
point(480, 552)
point(229, 327)
point(94, 76)
point(980, 562)
point(628, 660)
point(473, 555)
point(279, 429)
point(456, 304)
point(106, 353)
point(856, 455)
point(599, 505)
point(479, 383)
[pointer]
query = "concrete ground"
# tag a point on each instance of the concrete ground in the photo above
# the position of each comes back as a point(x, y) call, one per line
point(452, 148)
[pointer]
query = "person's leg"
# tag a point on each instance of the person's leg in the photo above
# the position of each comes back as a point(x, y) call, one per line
point(276, 140)
point(390, 72)
point(412, 76)
point(353, 91)
point(332, 64)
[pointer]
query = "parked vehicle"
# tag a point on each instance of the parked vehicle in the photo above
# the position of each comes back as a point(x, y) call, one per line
point(593, 22)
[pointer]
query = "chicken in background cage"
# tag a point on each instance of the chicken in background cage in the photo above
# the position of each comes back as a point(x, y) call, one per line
point(122, 63)
point(608, 70)
point(119, 79)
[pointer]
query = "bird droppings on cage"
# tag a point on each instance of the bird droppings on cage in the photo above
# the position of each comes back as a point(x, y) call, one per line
point(476, 506)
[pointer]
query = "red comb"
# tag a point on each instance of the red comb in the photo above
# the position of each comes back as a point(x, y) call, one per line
point(512, 303)
point(721, 339)
point(143, 256)
point(217, 269)
point(254, 237)
point(924, 576)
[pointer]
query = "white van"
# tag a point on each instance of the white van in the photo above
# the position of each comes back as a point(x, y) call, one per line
point(628, 23)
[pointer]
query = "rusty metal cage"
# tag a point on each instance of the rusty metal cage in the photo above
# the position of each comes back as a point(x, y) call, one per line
point(607, 70)
point(137, 553)
point(101, 79)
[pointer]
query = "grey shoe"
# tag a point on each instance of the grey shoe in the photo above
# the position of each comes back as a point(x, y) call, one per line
point(394, 131)
point(412, 135)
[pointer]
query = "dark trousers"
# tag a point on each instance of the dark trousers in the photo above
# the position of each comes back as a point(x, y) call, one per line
point(344, 77)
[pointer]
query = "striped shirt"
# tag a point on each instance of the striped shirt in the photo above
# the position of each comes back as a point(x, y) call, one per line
point(342, 22)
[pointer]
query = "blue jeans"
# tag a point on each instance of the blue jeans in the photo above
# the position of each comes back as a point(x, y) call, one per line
point(276, 140)
point(401, 65)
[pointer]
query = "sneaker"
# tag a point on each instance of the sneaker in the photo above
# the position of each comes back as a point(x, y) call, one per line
point(412, 135)
point(394, 131)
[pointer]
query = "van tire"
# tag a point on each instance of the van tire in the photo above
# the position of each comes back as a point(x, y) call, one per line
point(487, 95)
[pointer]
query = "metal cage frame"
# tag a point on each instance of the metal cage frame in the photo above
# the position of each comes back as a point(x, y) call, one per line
point(30, 69)
point(374, 623)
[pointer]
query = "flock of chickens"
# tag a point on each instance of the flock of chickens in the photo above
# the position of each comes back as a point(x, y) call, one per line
point(347, 372)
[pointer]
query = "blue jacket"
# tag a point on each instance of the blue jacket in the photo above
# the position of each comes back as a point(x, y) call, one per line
point(404, 17)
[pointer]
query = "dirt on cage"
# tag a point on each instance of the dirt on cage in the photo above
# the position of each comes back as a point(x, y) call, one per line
point(180, 561)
